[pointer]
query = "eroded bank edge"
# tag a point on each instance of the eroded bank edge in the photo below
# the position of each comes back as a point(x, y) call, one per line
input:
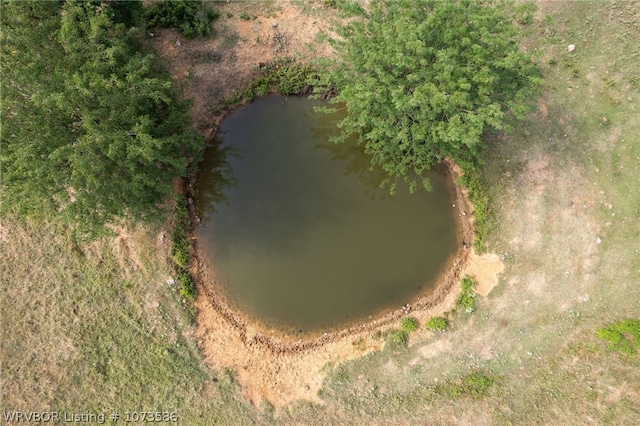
point(252, 333)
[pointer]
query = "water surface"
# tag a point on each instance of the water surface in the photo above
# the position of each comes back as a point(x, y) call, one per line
point(307, 241)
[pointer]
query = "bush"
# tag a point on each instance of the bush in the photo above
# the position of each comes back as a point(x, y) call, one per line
point(186, 286)
point(287, 76)
point(524, 13)
point(480, 201)
point(399, 338)
point(437, 324)
point(192, 18)
point(408, 324)
point(623, 336)
point(282, 75)
point(180, 249)
point(467, 299)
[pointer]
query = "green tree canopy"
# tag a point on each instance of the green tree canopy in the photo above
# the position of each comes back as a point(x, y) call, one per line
point(423, 80)
point(91, 127)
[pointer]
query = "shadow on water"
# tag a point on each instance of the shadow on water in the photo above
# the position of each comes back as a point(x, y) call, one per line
point(261, 207)
point(215, 176)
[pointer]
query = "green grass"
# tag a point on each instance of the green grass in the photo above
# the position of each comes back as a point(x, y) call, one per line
point(481, 207)
point(96, 327)
point(623, 336)
point(437, 324)
point(408, 324)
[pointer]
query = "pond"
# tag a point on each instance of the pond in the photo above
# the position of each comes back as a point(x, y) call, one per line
point(302, 239)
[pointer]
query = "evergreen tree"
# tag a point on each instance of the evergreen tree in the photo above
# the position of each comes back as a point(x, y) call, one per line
point(91, 126)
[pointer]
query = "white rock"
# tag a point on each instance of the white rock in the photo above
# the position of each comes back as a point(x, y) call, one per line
point(571, 47)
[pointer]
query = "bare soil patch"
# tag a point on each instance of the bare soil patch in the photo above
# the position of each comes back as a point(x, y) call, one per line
point(210, 70)
point(485, 268)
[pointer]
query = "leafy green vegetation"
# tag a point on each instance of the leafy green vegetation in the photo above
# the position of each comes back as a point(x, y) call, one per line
point(192, 18)
point(180, 250)
point(437, 324)
point(283, 75)
point(623, 336)
point(99, 327)
point(398, 338)
point(523, 12)
point(92, 128)
point(425, 80)
point(481, 211)
point(467, 299)
point(473, 384)
point(408, 324)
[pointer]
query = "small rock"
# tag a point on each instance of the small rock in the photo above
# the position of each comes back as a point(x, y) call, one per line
point(178, 44)
point(598, 240)
point(571, 47)
point(274, 25)
point(190, 201)
point(171, 281)
point(151, 34)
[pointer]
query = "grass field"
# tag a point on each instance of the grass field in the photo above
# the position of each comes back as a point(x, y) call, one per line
point(96, 328)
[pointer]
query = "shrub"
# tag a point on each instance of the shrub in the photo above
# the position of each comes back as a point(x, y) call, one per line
point(524, 13)
point(186, 286)
point(283, 75)
point(192, 18)
point(287, 76)
point(180, 249)
point(480, 201)
point(623, 336)
point(245, 16)
point(408, 324)
point(399, 338)
point(467, 299)
point(437, 324)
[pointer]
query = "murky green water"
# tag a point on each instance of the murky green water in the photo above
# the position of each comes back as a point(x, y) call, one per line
point(306, 240)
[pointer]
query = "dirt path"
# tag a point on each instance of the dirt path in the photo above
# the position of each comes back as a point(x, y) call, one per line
point(268, 366)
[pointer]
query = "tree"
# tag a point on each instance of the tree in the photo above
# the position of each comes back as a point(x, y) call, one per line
point(92, 128)
point(423, 81)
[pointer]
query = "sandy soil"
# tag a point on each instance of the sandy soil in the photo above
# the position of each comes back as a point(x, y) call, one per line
point(485, 268)
point(275, 367)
